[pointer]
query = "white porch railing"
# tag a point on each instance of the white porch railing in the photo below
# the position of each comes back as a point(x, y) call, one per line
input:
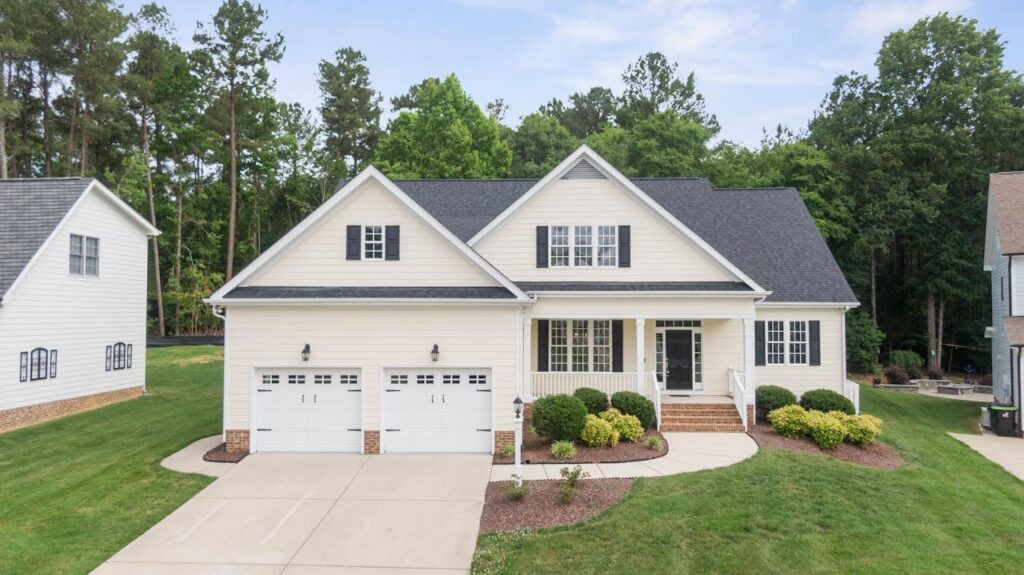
point(653, 392)
point(738, 391)
point(851, 391)
point(554, 382)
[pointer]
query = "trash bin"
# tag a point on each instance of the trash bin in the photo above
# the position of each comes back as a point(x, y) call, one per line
point(986, 418)
point(1004, 420)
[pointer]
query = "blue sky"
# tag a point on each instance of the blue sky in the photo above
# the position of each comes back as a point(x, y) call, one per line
point(758, 63)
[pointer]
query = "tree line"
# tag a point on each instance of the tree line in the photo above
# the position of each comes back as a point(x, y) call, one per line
point(893, 165)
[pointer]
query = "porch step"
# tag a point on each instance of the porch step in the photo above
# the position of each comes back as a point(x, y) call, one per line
point(695, 417)
point(734, 418)
point(702, 427)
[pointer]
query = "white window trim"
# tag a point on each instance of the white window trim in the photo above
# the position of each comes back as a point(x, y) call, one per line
point(590, 346)
point(595, 246)
point(698, 383)
point(383, 242)
point(84, 255)
point(787, 341)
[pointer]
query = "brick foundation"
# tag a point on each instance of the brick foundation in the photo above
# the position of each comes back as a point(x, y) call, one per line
point(750, 415)
point(371, 441)
point(237, 440)
point(503, 439)
point(32, 414)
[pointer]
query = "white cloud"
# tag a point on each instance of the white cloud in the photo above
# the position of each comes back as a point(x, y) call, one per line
point(878, 17)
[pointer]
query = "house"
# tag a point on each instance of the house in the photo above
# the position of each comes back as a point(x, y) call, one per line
point(407, 315)
point(1004, 257)
point(73, 304)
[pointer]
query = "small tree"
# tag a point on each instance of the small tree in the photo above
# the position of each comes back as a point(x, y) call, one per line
point(862, 340)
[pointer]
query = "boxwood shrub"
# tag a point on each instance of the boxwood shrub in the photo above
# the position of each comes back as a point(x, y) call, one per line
point(559, 417)
point(595, 399)
point(599, 433)
point(826, 429)
point(826, 400)
point(788, 421)
point(632, 403)
point(628, 426)
point(768, 398)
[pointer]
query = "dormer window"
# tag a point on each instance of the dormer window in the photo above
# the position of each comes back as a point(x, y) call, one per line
point(372, 243)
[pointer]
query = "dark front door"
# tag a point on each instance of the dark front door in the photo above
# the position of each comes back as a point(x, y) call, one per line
point(679, 359)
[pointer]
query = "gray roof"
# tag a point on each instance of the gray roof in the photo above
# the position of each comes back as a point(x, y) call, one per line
point(260, 292)
point(633, 286)
point(30, 209)
point(766, 232)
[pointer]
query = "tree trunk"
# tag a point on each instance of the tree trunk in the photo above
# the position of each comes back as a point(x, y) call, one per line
point(177, 260)
point(932, 355)
point(152, 219)
point(72, 122)
point(234, 193)
point(939, 326)
point(3, 126)
point(44, 85)
point(874, 290)
point(83, 161)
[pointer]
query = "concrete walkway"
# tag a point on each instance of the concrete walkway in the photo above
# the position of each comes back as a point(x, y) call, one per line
point(1007, 452)
point(975, 397)
point(687, 452)
point(190, 459)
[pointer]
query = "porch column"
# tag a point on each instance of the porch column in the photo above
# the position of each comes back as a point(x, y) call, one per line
point(748, 358)
point(640, 340)
point(526, 325)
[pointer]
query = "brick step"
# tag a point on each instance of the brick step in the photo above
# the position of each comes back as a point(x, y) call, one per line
point(701, 412)
point(698, 427)
point(697, 407)
point(700, 419)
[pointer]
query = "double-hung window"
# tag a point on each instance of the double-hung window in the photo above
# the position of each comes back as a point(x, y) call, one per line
point(798, 343)
point(559, 246)
point(787, 342)
point(583, 247)
point(84, 256)
point(580, 345)
point(575, 246)
point(776, 341)
point(607, 246)
point(373, 242)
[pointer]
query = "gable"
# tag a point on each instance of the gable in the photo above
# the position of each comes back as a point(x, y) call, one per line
point(317, 257)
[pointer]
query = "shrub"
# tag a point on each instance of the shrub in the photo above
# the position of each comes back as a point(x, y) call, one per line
point(563, 450)
point(507, 450)
point(825, 429)
point(654, 443)
point(516, 492)
point(861, 429)
point(788, 421)
point(628, 426)
point(826, 400)
point(984, 380)
point(914, 373)
point(566, 493)
point(599, 433)
point(632, 403)
point(595, 399)
point(768, 398)
point(936, 374)
point(906, 358)
point(573, 476)
point(559, 417)
point(862, 340)
point(896, 375)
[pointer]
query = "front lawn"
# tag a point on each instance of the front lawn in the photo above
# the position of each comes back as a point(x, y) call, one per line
point(78, 489)
point(948, 511)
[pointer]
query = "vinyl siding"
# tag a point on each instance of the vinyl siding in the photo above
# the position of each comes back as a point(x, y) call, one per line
point(369, 338)
point(78, 316)
point(1001, 297)
point(659, 252)
point(318, 257)
point(801, 378)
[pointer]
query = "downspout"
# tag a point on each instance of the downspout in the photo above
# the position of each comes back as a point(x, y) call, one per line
point(221, 312)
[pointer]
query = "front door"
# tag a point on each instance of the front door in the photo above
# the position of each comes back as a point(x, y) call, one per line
point(679, 359)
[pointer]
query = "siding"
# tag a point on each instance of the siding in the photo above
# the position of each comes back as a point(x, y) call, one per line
point(318, 257)
point(659, 252)
point(801, 378)
point(78, 316)
point(369, 338)
point(1000, 308)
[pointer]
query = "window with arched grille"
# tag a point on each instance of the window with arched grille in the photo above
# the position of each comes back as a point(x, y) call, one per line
point(119, 356)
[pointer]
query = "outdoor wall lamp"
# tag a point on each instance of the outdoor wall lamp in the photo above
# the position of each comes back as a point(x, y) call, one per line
point(518, 405)
point(435, 353)
point(305, 353)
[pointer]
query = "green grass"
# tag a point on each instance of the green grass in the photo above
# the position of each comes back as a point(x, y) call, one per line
point(948, 511)
point(76, 490)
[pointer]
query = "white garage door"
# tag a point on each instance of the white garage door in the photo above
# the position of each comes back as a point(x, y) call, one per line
point(437, 410)
point(308, 410)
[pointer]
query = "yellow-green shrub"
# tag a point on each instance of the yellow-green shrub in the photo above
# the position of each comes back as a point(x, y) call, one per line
point(788, 421)
point(628, 426)
point(825, 429)
point(599, 433)
point(862, 429)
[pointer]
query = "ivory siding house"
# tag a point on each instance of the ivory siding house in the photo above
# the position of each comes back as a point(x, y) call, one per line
point(1004, 257)
point(72, 299)
point(407, 315)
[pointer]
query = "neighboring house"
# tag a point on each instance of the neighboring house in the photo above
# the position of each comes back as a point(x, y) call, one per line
point(72, 299)
point(1004, 257)
point(407, 315)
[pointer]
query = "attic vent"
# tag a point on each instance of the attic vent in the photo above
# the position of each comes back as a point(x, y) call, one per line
point(583, 170)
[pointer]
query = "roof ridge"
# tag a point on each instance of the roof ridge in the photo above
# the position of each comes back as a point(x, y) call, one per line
point(765, 188)
point(47, 179)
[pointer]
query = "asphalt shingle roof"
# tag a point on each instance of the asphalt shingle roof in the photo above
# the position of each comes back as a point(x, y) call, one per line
point(1007, 190)
point(632, 286)
point(260, 292)
point(30, 210)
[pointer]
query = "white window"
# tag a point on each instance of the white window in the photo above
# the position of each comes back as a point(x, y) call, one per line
point(84, 256)
point(776, 342)
point(583, 247)
point(798, 342)
point(602, 345)
point(558, 355)
point(580, 345)
point(607, 246)
point(786, 342)
point(559, 256)
point(373, 242)
point(575, 246)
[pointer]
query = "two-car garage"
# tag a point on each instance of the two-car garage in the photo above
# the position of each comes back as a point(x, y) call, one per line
point(436, 410)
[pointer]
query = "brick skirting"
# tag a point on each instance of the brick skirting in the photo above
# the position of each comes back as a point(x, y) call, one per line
point(371, 442)
point(502, 439)
point(237, 440)
point(33, 414)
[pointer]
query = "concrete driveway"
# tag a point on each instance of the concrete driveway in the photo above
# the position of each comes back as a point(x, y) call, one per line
point(304, 514)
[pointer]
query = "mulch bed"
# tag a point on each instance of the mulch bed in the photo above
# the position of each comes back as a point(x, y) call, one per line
point(542, 507)
point(537, 449)
point(877, 454)
point(220, 454)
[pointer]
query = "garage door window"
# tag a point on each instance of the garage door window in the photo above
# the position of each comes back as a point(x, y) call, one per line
point(399, 379)
point(477, 379)
point(271, 379)
point(424, 379)
point(322, 379)
point(450, 379)
point(348, 379)
point(296, 379)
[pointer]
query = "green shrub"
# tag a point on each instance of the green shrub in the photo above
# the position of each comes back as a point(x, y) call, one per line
point(516, 492)
point(826, 429)
point(566, 493)
point(906, 359)
point(788, 421)
point(632, 403)
point(628, 426)
point(862, 341)
point(768, 398)
point(914, 373)
point(936, 374)
point(559, 417)
point(896, 375)
point(862, 429)
point(654, 443)
point(599, 433)
point(826, 400)
point(563, 450)
point(507, 450)
point(573, 476)
point(595, 399)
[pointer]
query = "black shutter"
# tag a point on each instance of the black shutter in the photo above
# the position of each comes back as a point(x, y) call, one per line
point(110, 358)
point(759, 343)
point(352, 242)
point(617, 345)
point(814, 333)
point(542, 246)
point(129, 356)
point(391, 242)
point(542, 344)
point(624, 256)
point(24, 366)
point(53, 363)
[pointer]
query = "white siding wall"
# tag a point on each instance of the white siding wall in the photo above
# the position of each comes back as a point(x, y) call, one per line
point(370, 338)
point(78, 316)
point(801, 378)
point(659, 252)
point(1001, 296)
point(318, 258)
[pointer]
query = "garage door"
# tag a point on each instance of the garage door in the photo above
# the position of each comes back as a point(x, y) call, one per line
point(308, 410)
point(437, 410)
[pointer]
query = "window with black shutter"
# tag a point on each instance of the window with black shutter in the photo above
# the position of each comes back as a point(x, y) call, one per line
point(39, 364)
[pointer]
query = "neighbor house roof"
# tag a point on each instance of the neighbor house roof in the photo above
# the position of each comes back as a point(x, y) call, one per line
point(1014, 329)
point(1006, 192)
